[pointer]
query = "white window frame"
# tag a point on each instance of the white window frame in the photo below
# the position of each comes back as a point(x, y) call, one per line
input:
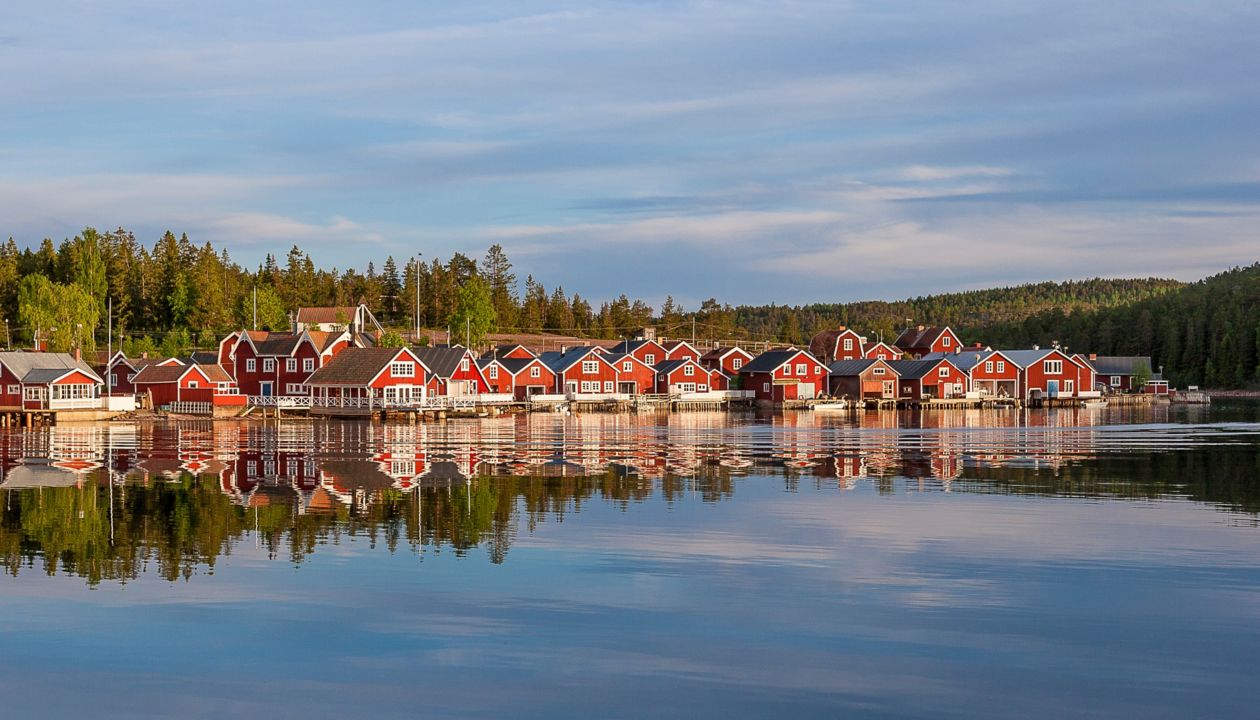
point(463, 364)
point(609, 386)
point(590, 367)
point(1001, 366)
point(650, 358)
point(988, 366)
point(1069, 386)
point(15, 390)
point(947, 341)
point(290, 365)
point(737, 363)
point(848, 343)
point(492, 372)
point(193, 385)
point(269, 365)
point(535, 372)
point(942, 372)
point(1115, 382)
point(801, 368)
point(295, 389)
point(1053, 367)
point(627, 366)
point(251, 365)
point(765, 387)
point(689, 370)
point(402, 369)
point(308, 364)
point(878, 370)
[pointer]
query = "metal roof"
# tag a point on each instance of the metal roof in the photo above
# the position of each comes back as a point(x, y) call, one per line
point(355, 366)
point(41, 367)
point(847, 368)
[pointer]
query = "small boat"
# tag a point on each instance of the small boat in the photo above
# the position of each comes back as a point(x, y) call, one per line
point(831, 407)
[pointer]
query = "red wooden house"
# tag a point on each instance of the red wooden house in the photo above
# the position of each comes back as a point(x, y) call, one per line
point(166, 384)
point(582, 370)
point(919, 341)
point(1120, 373)
point(395, 376)
point(778, 375)
point(648, 352)
point(685, 376)
point(841, 343)
point(47, 381)
point(882, 351)
point(453, 371)
point(864, 379)
point(530, 376)
point(498, 378)
point(993, 374)
point(727, 360)
point(634, 376)
point(679, 349)
point(121, 369)
point(1051, 373)
point(935, 378)
point(269, 363)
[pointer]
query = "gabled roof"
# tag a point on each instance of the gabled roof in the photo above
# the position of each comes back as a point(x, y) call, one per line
point(442, 360)
point(718, 353)
point(848, 368)
point(201, 357)
point(919, 337)
point(1025, 358)
point(516, 366)
point(42, 367)
point(772, 360)
point(559, 362)
point(669, 366)
point(170, 373)
point(273, 343)
point(498, 351)
point(824, 342)
point(1119, 364)
point(916, 369)
point(215, 372)
point(356, 366)
point(671, 345)
point(965, 360)
point(629, 346)
point(617, 358)
point(324, 340)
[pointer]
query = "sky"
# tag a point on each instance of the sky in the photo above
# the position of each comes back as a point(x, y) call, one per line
point(755, 152)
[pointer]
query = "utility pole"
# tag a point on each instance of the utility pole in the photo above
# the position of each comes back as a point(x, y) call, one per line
point(693, 330)
point(255, 305)
point(109, 385)
point(415, 262)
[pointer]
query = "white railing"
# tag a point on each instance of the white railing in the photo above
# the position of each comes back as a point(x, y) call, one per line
point(547, 398)
point(74, 404)
point(189, 408)
point(595, 396)
point(280, 401)
point(361, 403)
point(495, 398)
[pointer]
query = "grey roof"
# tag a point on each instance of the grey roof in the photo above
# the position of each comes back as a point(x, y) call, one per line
point(442, 360)
point(629, 346)
point(669, 366)
point(918, 337)
point(771, 359)
point(915, 369)
point(849, 368)
point(41, 367)
point(504, 349)
point(1121, 364)
point(559, 362)
point(354, 366)
point(718, 353)
point(964, 361)
point(516, 365)
point(1024, 358)
point(202, 357)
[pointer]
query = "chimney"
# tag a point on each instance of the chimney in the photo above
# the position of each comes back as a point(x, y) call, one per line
point(841, 328)
point(1093, 356)
point(78, 355)
point(921, 328)
point(1036, 347)
point(144, 355)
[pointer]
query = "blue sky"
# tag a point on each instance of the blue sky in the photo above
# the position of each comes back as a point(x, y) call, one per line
point(753, 151)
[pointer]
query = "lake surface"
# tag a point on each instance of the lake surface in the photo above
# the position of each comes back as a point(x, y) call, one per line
point(970, 564)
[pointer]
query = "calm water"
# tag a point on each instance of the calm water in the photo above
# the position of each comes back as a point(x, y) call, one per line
point(970, 564)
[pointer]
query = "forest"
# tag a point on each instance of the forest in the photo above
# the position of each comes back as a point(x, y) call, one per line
point(175, 295)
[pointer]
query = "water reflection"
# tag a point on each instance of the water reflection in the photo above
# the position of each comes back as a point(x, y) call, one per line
point(108, 502)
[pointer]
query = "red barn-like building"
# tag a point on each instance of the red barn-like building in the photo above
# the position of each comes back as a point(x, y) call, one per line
point(918, 341)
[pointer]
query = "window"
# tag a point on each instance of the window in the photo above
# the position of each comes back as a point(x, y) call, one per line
point(131, 376)
point(947, 341)
point(1069, 386)
point(1115, 382)
point(737, 363)
point(192, 384)
point(627, 366)
point(800, 369)
point(988, 366)
point(290, 365)
point(402, 369)
point(688, 370)
point(535, 371)
point(1053, 367)
point(590, 367)
point(650, 358)
point(765, 387)
point(493, 372)
point(15, 389)
point(463, 364)
point(608, 386)
point(1001, 366)
point(943, 371)
point(308, 365)
point(251, 468)
point(848, 343)
point(590, 386)
point(295, 389)
point(250, 365)
point(879, 370)
point(269, 365)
